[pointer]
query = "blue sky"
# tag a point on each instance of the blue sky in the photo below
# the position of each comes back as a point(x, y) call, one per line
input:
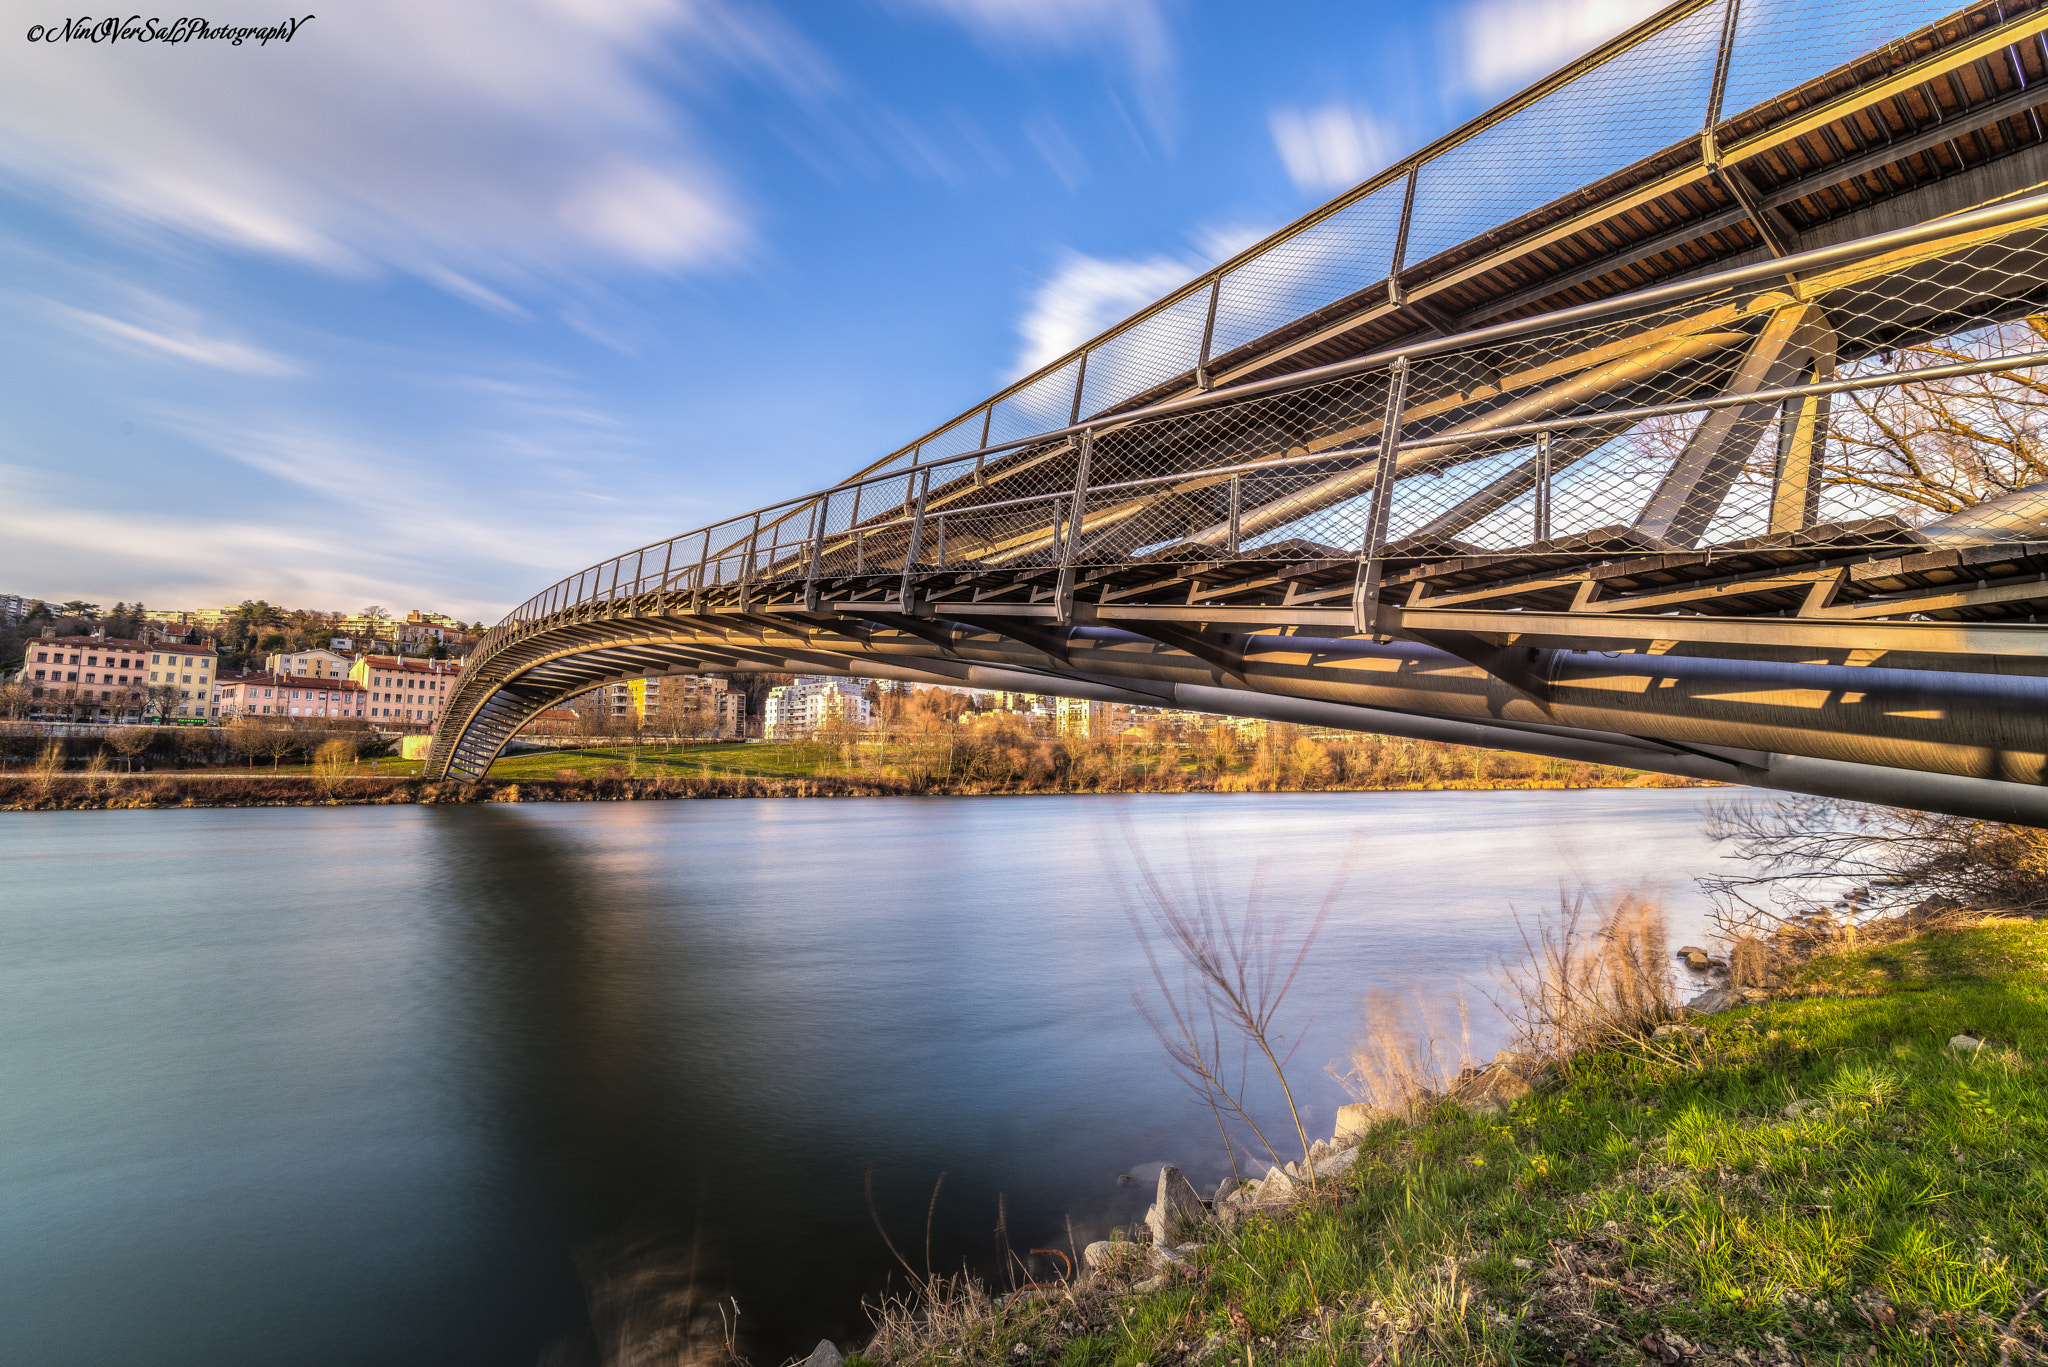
point(437, 303)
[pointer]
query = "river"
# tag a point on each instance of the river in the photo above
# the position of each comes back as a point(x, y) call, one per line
point(390, 1084)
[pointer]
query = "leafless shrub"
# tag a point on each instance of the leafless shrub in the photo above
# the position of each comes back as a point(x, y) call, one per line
point(332, 762)
point(1411, 1048)
point(1236, 969)
point(49, 764)
point(1591, 976)
point(1799, 853)
point(96, 778)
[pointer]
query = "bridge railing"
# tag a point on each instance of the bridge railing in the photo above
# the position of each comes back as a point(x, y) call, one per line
point(1733, 69)
point(1885, 378)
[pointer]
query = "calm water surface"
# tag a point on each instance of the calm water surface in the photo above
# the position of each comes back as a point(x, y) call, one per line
point(341, 1086)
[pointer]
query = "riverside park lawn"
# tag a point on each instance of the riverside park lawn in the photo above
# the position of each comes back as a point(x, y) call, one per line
point(1658, 1205)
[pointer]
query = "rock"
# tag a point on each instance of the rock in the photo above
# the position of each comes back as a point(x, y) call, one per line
point(1097, 1253)
point(1801, 1107)
point(1754, 994)
point(1492, 1091)
point(1337, 1164)
point(1670, 1031)
point(1522, 1264)
point(1276, 1188)
point(1716, 999)
point(1687, 951)
point(1965, 1044)
point(1354, 1120)
point(1226, 1189)
point(1318, 1151)
point(1177, 1205)
point(824, 1355)
point(1164, 1257)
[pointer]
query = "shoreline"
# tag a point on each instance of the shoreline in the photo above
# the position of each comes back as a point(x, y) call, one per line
point(169, 792)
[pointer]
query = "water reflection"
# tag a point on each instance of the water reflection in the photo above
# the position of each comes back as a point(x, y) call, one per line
point(364, 1085)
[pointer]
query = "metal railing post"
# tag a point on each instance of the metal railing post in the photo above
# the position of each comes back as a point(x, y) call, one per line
point(668, 555)
point(1208, 336)
point(1365, 597)
point(1080, 379)
point(916, 545)
point(823, 517)
point(1542, 528)
point(703, 564)
point(1063, 593)
point(1236, 508)
point(747, 564)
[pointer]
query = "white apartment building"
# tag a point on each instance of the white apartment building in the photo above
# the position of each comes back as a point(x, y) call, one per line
point(804, 707)
point(1084, 718)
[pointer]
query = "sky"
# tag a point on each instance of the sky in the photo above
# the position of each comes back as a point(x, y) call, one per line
point(431, 305)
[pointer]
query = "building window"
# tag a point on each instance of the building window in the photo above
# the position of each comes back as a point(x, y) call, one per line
point(39, 673)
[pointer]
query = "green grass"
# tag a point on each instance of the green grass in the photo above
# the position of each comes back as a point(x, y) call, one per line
point(735, 759)
point(1661, 1191)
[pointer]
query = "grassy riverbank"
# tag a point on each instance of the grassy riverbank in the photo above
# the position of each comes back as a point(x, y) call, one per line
point(1656, 1204)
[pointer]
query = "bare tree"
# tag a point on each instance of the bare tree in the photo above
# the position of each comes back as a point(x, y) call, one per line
point(1945, 445)
point(1807, 856)
point(1237, 968)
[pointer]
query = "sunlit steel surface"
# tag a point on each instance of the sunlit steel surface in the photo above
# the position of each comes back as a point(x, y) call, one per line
point(1611, 427)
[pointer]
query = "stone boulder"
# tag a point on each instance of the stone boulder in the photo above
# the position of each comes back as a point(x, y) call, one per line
point(1178, 1205)
point(1356, 1119)
point(824, 1355)
point(1336, 1164)
point(1716, 999)
point(1491, 1091)
point(1965, 1044)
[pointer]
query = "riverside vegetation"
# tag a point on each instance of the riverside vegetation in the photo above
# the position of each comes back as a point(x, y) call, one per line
point(158, 767)
point(1837, 1154)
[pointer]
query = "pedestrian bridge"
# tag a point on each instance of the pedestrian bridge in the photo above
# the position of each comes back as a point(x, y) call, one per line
point(1688, 411)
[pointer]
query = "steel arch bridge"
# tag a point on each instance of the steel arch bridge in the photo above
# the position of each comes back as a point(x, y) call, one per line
point(1689, 411)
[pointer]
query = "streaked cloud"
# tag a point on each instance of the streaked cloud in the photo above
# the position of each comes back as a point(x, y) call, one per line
point(1333, 147)
point(178, 343)
point(475, 143)
point(1495, 45)
point(1134, 32)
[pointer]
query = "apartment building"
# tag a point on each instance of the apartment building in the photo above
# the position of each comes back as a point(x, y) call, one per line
point(693, 703)
point(113, 676)
point(812, 702)
point(265, 693)
point(1084, 718)
point(13, 608)
point(403, 693)
point(311, 664)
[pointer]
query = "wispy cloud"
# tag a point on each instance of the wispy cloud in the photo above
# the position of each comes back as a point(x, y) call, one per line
point(1331, 148)
point(1498, 44)
point(1086, 294)
point(472, 142)
point(184, 344)
point(1135, 31)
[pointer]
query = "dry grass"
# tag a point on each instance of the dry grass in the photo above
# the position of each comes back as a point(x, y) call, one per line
point(1410, 1050)
point(1593, 976)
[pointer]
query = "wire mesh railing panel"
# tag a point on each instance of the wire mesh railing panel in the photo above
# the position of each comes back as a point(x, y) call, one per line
point(1779, 46)
point(1163, 346)
point(1636, 103)
point(1044, 404)
point(1331, 259)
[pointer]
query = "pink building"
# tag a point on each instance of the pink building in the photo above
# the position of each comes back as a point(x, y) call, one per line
point(261, 694)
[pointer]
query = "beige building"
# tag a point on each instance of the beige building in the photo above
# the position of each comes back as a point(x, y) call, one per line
point(405, 694)
point(312, 664)
point(112, 677)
